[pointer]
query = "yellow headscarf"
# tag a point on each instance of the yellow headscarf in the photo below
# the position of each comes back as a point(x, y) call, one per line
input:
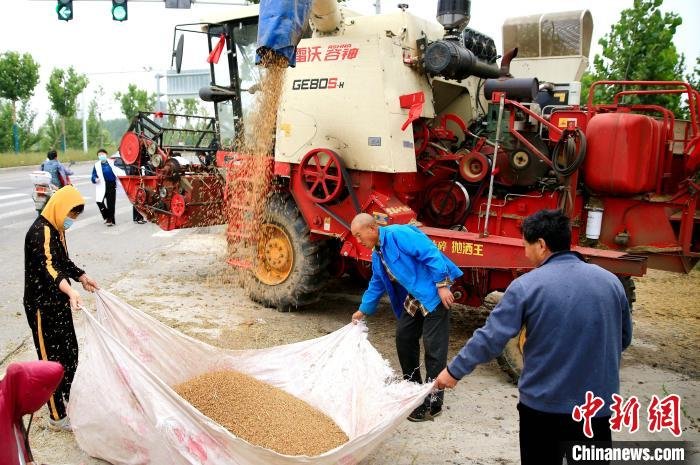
point(60, 203)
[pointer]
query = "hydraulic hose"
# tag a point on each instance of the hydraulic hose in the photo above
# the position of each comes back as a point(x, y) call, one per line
point(565, 150)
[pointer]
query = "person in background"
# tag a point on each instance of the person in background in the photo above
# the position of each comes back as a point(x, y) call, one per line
point(577, 322)
point(135, 214)
point(104, 176)
point(48, 295)
point(59, 172)
point(408, 266)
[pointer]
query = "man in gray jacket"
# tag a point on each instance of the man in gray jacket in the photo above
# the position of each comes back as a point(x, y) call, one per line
point(577, 323)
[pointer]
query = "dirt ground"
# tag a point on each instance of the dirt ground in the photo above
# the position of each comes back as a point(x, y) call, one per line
point(183, 284)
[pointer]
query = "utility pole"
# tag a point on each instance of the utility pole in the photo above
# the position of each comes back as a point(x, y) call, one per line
point(85, 141)
point(378, 6)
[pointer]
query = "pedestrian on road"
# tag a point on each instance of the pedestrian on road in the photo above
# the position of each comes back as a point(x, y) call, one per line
point(48, 295)
point(577, 322)
point(136, 216)
point(60, 174)
point(417, 277)
point(104, 176)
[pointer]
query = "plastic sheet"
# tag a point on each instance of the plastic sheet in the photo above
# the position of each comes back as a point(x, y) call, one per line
point(281, 25)
point(123, 410)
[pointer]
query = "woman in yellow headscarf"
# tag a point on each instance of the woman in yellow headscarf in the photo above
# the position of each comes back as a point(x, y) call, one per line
point(48, 295)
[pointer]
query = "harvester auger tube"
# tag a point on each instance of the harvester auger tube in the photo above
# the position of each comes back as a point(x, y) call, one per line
point(280, 26)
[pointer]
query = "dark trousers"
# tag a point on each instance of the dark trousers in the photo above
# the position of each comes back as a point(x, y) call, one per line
point(108, 204)
point(54, 339)
point(135, 215)
point(545, 438)
point(434, 328)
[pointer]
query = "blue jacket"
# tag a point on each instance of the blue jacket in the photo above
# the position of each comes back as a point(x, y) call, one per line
point(59, 173)
point(577, 323)
point(416, 264)
point(106, 172)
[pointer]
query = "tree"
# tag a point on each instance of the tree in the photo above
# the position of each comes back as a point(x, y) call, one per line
point(135, 100)
point(19, 76)
point(64, 87)
point(24, 123)
point(639, 47)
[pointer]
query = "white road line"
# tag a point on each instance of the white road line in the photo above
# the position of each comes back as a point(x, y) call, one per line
point(15, 202)
point(12, 196)
point(162, 233)
point(24, 211)
point(2, 188)
point(79, 224)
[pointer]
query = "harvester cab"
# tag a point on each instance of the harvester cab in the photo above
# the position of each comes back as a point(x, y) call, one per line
point(414, 121)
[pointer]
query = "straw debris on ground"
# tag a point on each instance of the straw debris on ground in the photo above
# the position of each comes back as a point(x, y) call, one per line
point(262, 414)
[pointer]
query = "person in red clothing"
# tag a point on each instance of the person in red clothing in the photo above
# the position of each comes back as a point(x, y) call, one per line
point(24, 389)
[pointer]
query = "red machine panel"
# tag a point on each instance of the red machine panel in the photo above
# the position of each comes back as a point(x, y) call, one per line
point(623, 153)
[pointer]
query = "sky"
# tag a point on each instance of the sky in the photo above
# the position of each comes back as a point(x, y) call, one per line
point(114, 54)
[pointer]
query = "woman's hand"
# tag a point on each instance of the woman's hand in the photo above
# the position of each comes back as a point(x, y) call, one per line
point(88, 283)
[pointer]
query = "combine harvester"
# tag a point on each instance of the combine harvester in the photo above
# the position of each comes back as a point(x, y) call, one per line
point(410, 120)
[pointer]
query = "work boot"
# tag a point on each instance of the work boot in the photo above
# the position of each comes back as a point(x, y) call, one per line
point(425, 413)
point(60, 425)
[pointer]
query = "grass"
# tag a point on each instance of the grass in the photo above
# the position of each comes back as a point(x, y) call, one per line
point(9, 159)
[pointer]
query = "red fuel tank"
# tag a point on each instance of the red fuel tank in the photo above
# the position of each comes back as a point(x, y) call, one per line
point(623, 154)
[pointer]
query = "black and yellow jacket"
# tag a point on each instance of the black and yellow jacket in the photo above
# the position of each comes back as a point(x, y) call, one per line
point(46, 260)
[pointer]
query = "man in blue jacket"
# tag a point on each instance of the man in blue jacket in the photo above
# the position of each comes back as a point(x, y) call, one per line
point(577, 323)
point(417, 277)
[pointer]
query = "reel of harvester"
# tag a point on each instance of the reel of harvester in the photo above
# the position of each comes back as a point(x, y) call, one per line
point(171, 176)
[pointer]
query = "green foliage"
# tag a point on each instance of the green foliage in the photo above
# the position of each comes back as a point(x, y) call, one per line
point(19, 75)
point(51, 131)
point(135, 100)
point(25, 116)
point(97, 134)
point(36, 158)
point(116, 128)
point(63, 87)
point(639, 47)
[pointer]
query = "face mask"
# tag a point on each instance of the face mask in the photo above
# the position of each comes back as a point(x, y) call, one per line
point(67, 223)
point(102, 157)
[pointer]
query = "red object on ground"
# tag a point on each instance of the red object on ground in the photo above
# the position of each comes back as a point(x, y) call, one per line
point(24, 389)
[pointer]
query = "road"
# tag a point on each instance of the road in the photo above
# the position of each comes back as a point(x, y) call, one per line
point(105, 253)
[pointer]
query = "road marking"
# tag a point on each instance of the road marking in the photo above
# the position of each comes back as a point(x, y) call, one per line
point(23, 211)
point(12, 196)
point(79, 224)
point(2, 188)
point(162, 233)
point(15, 202)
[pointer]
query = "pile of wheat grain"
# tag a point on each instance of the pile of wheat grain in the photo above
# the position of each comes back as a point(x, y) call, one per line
point(262, 414)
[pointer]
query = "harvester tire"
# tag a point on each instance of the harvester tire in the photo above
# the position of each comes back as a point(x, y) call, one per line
point(309, 261)
point(511, 360)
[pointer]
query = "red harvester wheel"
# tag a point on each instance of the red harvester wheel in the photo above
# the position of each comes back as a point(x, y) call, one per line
point(130, 147)
point(473, 166)
point(321, 175)
point(177, 205)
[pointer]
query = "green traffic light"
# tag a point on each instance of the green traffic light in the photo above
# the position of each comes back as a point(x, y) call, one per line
point(119, 13)
point(64, 12)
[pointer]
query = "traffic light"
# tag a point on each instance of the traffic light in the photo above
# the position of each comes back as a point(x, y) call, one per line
point(64, 10)
point(119, 10)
